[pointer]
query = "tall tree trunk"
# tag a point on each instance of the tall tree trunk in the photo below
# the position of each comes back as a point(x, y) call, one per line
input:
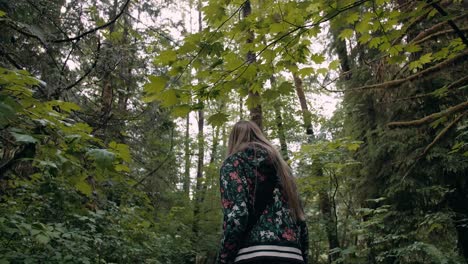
point(186, 181)
point(199, 183)
point(281, 133)
point(256, 114)
point(325, 205)
point(201, 153)
point(108, 83)
point(279, 124)
point(125, 67)
point(307, 120)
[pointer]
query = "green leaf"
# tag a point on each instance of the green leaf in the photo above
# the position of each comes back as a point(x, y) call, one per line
point(438, 122)
point(83, 186)
point(65, 106)
point(276, 28)
point(426, 58)
point(305, 72)
point(122, 150)
point(346, 34)
point(2, 13)
point(317, 58)
point(252, 101)
point(103, 157)
point(168, 98)
point(166, 57)
point(122, 167)
point(23, 138)
point(256, 87)
point(334, 65)
point(285, 88)
point(181, 110)
point(322, 71)
point(218, 119)
point(413, 48)
point(353, 17)
point(156, 84)
point(42, 238)
point(374, 42)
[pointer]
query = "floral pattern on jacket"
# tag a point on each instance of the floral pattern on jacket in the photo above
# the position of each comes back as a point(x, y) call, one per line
point(251, 219)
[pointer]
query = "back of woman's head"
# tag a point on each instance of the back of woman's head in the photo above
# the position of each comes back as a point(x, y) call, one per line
point(246, 134)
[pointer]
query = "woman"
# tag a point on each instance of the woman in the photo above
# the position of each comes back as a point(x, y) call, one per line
point(263, 218)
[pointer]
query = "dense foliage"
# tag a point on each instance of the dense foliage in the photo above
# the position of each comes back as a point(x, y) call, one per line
point(114, 118)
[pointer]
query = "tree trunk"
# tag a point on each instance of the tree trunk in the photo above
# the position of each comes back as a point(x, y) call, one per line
point(281, 133)
point(199, 183)
point(201, 154)
point(108, 83)
point(279, 125)
point(325, 204)
point(304, 108)
point(186, 181)
point(256, 114)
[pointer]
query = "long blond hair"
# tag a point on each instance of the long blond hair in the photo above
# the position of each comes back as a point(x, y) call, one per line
point(247, 133)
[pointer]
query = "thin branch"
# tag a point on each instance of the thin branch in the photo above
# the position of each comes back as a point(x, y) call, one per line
point(435, 28)
point(450, 21)
point(442, 133)
point(112, 21)
point(393, 83)
point(168, 156)
point(153, 29)
point(450, 87)
point(10, 59)
point(70, 86)
point(436, 139)
point(411, 25)
point(436, 34)
point(427, 119)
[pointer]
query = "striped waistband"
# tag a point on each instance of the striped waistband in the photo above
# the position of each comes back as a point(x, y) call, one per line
point(269, 251)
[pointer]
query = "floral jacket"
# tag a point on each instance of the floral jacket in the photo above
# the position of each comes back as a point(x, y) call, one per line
point(257, 225)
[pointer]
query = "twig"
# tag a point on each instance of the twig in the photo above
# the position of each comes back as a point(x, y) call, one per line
point(450, 21)
point(429, 118)
point(441, 134)
point(435, 28)
point(112, 21)
point(70, 86)
point(168, 156)
point(393, 83)
point(444, 32)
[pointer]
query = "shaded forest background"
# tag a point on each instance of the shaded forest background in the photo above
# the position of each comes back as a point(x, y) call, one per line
point(114, 117)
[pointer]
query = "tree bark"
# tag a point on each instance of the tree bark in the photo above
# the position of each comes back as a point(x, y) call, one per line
point(307, 121)
point(201, 154)
point(186, 181)
point(279, 124)
point(325, 205)
point(256, 114)
point(108, 83)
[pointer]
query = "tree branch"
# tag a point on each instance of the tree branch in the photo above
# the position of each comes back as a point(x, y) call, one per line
point(436, 34)
point(10, 59)
point(442, 133)
point(450, 21)
point(112, 21)
point(168, 156)
point(435, 28)
point(93, 66)
point(461, 57)
point(427, 119)
point(450, 87)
